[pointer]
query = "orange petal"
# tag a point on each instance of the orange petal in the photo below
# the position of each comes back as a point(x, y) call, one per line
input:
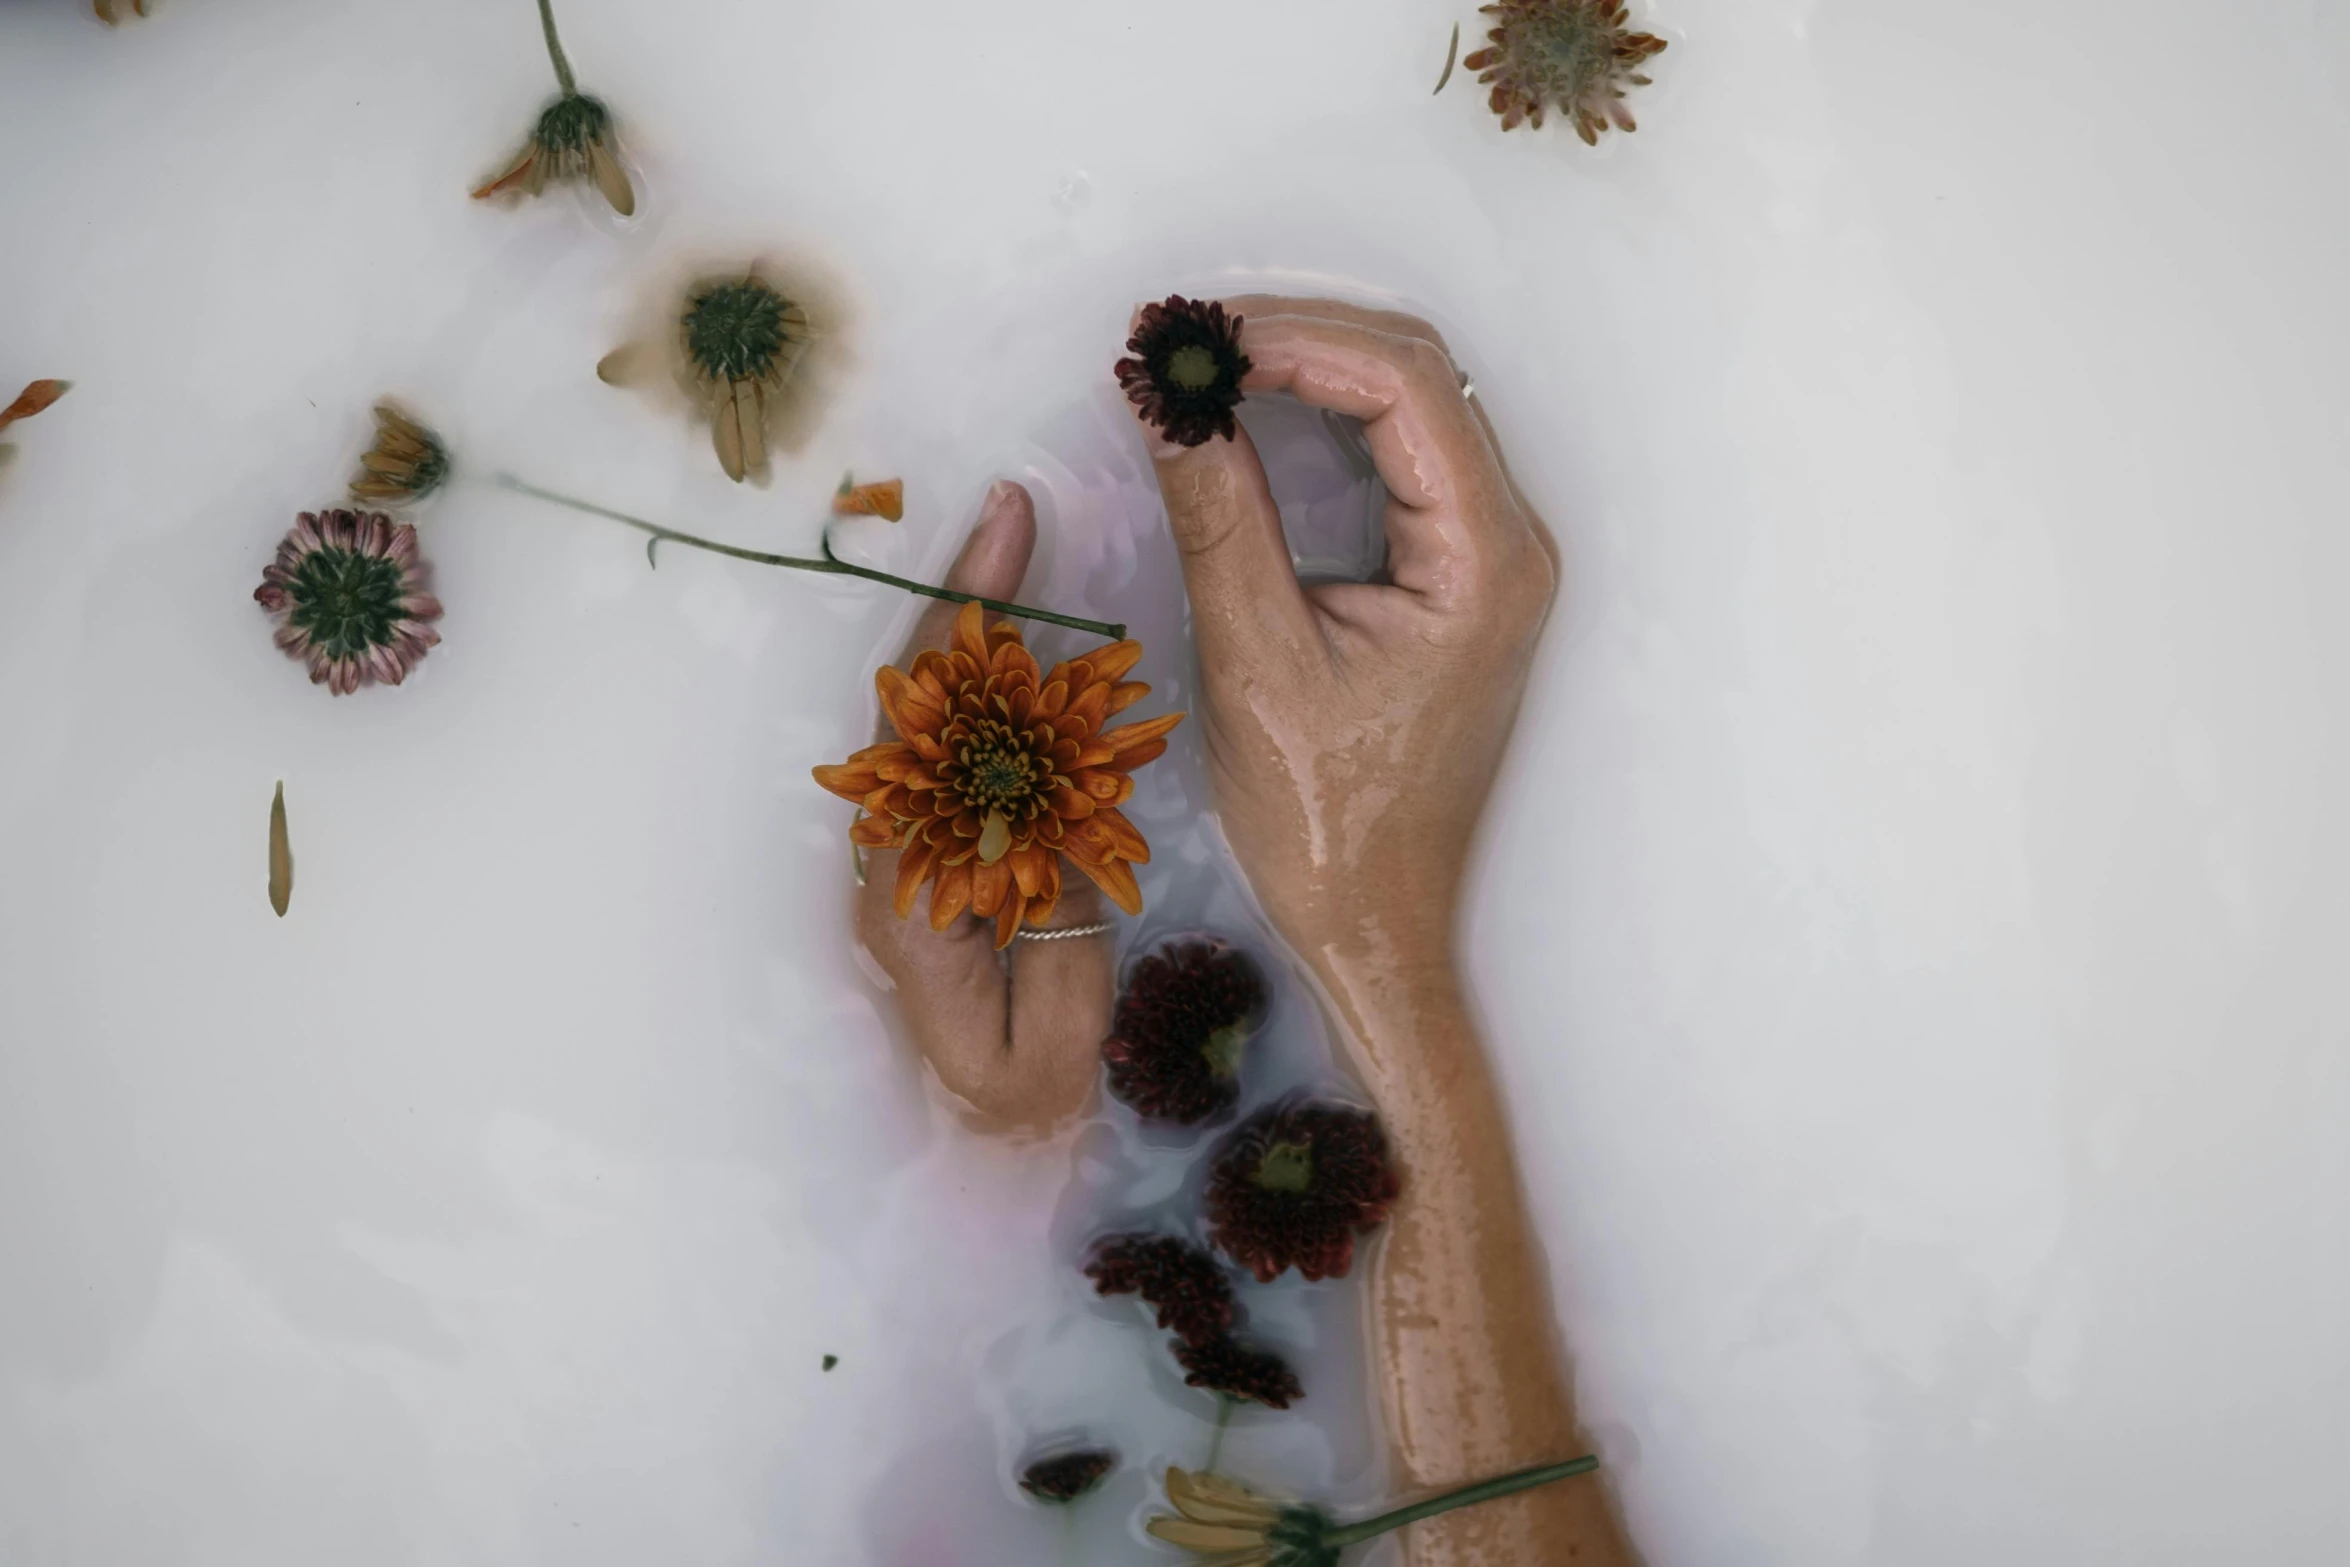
point(35, 397)
point(970, 635)
point(873, 832)
point(1127, 694)
point(1007, 924)
point(1115, 659)
point(849, 781)
point(913, 869)
point(1052, 700)
point(950, 895)
point(989, 884)
point(1071, 805)
point(1124, 835)
point(513, 176)
point(1089, 707)
point(1028, 869)
point(1116, 880)
point(1128, 737)
point(884, 498)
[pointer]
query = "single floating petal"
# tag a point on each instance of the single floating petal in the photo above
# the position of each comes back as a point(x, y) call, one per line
point(884, 498)
point(281, 855)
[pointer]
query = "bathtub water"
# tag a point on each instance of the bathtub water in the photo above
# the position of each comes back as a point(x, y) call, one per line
point(1910, 926)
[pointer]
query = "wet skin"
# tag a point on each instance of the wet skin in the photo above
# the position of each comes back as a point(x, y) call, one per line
point(1352, 732)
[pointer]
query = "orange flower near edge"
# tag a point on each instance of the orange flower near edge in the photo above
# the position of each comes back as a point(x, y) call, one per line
point(999, 770)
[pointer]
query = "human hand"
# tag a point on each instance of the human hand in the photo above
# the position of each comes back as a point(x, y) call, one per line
point(1016, 1035)
point(1352, 730)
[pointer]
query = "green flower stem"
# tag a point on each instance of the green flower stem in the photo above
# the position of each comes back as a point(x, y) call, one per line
point(1466, 1496)
point(555, 49)
point(656, 534)
point(1224, 1406)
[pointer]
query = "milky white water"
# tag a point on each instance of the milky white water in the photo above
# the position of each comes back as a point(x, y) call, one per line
point(1911, 927)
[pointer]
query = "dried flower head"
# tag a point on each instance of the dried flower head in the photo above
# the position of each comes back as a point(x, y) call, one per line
point(406, 463)
point(1576, 56)
point(1001, 769)
point(1186, 370)
point(572, 140)
point(1064, 1477)
point(1183, 1283)
point(1225, 1365)
point(1186, 1013)
point(1224, 1519)
point(1293, 1184)
point(1238, 1527)
point(741, 340)
point(347, 590)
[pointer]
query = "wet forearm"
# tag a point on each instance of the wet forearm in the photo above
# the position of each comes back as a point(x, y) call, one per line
point(1469, 1362)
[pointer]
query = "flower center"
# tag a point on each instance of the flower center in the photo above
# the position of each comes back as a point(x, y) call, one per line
point(1192, 368)
point(347, 601)
point(734, 331)
point(1223, 1050)
point(998, 772)
point(1286, 1167)
point(571, 122)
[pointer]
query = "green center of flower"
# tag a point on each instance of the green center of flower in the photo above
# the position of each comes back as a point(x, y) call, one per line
point(1223, 1049)
point(1286, 1167)
point(1192, 367)
point(735, 331)
point(347, 601)
point(571, 123)
point(998, 772)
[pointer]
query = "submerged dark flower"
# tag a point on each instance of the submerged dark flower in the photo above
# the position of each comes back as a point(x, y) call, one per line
point(573, 139)
point(1185, 376)
point(109, 11)
point(1186, 1286)
point(1293, 1184)
point(1221, 1518)
point(347, 589)
point(1576, 56)
point(407, 461)
point(1225, 1365)
point(741, 340)
point(1064, 1477)
point(1174, 1048)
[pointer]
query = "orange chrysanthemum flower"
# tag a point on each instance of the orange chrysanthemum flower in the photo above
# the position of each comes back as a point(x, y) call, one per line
point(1000, 769)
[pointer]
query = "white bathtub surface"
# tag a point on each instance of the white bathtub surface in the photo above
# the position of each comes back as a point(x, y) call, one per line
point(1912, 926)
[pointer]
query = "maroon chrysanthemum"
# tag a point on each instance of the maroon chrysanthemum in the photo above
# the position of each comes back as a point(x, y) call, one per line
point(1292, 1186)
point(1225, 1365)
point(1186, 1286)
point(1577, 56)
point(1186, 370)
point(1064, 1477)
point(347, 590)
point(1174, 1048)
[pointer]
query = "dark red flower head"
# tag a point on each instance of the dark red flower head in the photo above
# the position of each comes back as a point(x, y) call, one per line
point(1293, 1184)
point(1174, 1050)
point(1186, 1286)
point(1064, 1477)
point(1225, 1365)
point(1185, 376)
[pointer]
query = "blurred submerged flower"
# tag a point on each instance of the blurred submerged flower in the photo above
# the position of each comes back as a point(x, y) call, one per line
point(1576, 56)
point(1225, 1365)
point(741, 340)
point(1001, 769)
point(347, 590)
point(1293, 1184)
point(1184, 1284)
point(406, 463)
point(1064, 1477)
point(110, 11)
point(1237, 1527)
point(1174, 1048)
point(573, 139)
point(1186, 370)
